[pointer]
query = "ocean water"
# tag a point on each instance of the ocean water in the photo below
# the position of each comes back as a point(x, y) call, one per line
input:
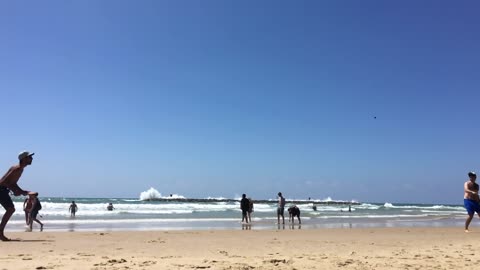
point(139, 214)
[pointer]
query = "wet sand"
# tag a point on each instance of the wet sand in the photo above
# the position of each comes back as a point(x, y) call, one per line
point(376, 248)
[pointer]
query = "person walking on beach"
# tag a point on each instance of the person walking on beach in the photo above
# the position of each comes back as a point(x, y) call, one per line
point(33, 210)
point(9, 183)
point(471, 201)
point(73, 209)
point(27, 204)
point(244, 204)
point(250, 209)
point(280, 208)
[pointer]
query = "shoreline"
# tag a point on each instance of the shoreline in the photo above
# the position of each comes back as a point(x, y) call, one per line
point(162, 224)
point(360, 248)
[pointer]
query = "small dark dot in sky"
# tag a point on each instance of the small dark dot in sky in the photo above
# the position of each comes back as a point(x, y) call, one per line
point(374, 117)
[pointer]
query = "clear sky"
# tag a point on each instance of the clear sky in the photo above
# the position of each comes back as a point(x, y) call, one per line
point(220, 98)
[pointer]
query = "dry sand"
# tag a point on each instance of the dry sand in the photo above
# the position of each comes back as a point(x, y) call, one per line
point(376, 248)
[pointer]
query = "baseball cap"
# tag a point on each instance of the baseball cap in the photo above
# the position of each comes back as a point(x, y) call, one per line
point(472, 174)
point(24, 154)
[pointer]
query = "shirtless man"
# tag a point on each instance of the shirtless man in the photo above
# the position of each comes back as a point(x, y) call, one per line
point(280, 208)
point(244, 207)
point(471, 201)
point(73, 209)
point(9, 183)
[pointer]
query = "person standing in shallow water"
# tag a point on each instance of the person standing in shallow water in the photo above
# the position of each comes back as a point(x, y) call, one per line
point(110, 207)
point(471, 201)
point(73, 209)
point(281, 208)
point(244, 205)
point(9, 183)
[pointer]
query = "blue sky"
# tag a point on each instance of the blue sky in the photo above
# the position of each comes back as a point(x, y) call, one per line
point(220, 98)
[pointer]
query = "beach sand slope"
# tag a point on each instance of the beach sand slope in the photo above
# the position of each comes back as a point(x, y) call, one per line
point(376, 248)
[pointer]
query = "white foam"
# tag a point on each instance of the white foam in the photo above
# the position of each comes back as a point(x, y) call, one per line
point(150, 194)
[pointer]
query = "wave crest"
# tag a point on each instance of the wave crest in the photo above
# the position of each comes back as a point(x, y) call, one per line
point(150, 194)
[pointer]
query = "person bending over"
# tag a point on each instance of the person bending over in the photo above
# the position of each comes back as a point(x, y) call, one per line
point(293, 212)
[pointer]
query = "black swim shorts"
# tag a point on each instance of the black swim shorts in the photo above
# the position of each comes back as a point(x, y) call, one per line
point(34, 214)
point(5, 199)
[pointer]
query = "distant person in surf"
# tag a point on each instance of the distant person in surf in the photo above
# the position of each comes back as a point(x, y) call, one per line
point(281, 208)
point(471, 201)
point(110, 207)
point(73, 209)
point(9, 183)
point(244, 205)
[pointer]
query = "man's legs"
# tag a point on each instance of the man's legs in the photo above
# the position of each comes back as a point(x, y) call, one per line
point(30, 221)
point(26, 217)
point(6, 217)
point(467, 222)
point(41, 224)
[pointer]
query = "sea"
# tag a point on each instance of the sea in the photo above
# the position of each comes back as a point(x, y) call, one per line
point(152, 211)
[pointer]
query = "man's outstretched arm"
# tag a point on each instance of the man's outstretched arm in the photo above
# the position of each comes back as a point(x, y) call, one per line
point(17, 191)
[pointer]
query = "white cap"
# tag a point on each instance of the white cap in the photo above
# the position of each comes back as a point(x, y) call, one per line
point(24, 154)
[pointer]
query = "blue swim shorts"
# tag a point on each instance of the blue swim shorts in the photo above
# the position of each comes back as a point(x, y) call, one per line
point(471, 206)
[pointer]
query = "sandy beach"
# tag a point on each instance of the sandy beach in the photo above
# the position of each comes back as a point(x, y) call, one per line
point(377, 248)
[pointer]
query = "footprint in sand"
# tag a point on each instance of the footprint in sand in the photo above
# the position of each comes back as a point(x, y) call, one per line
point(345, 263)
point(277, 261)
point(114, 261)
point(85, 254)
point(160, 241)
